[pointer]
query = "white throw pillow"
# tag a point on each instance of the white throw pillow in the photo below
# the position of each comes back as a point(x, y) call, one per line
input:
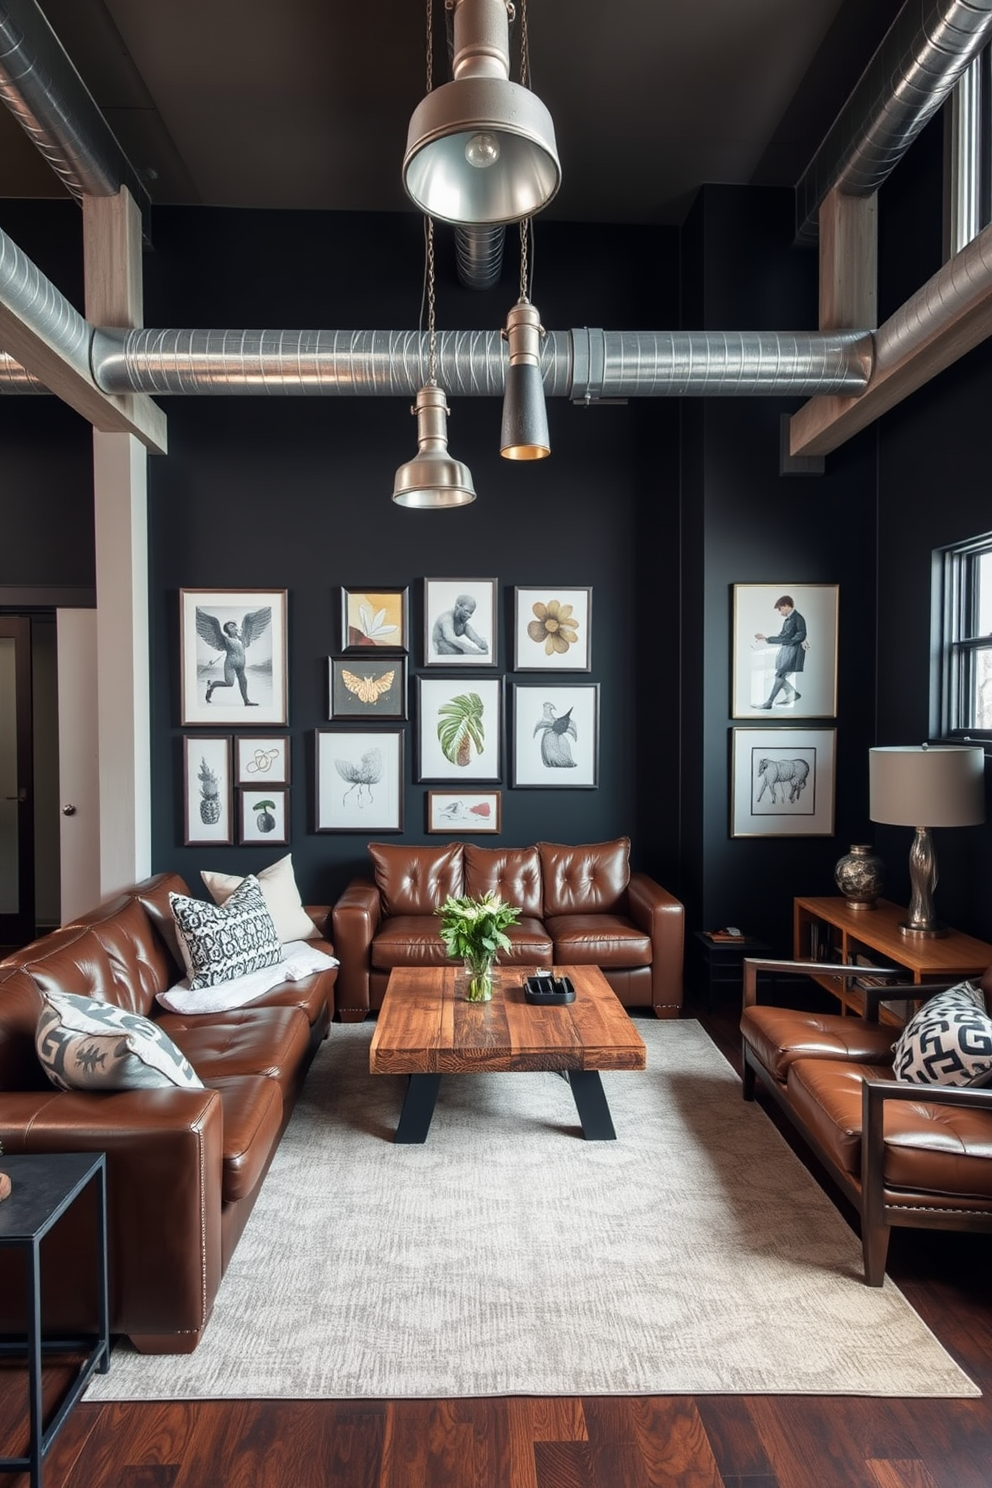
point(223, 941)
point(948, 1042)
point(278, 885)
point(84, 1044)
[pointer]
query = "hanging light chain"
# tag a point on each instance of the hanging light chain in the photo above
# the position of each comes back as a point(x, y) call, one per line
point(429, 49)
point(524, 47)
point(431, 331)
point(524, 259)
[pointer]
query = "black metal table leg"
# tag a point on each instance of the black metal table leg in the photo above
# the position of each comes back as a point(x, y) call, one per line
point(590, 1102)
point(418, 1108)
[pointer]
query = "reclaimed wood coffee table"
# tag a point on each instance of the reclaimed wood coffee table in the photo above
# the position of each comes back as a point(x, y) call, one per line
point(426, 1029)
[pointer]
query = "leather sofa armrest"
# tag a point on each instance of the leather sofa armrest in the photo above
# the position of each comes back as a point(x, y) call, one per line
point(662, 916)
point(354, 920)
point(164, 1158)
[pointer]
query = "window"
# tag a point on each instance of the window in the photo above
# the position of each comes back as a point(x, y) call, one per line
point(963, 637)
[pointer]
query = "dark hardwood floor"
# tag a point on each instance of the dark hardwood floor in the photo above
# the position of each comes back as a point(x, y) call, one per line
point(709, 1441)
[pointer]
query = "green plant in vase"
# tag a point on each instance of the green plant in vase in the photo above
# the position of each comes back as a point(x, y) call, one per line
point(473, 931)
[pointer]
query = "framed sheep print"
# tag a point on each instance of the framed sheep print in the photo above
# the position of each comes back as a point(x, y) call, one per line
point(464, 811)
point(263, 815)
point(359, 784)
point(375, 619)
point(556, 735)
point(460, 722)
point(232, 648)
point(785, 651)
point(460, 622)
point(552, 629)
point(782, 782)
point(259, 761)
point(208, 805)
point(368, 687)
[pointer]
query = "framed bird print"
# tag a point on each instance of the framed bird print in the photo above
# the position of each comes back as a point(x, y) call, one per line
point(552, 629)
point(359, 784)
point(556, 736)
point(367, 687)
point(233, 656)
point(460, 729)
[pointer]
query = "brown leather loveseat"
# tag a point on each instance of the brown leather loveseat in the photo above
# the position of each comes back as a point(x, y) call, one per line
point(904, 1154)
point(582, 906)
point(184, 1166)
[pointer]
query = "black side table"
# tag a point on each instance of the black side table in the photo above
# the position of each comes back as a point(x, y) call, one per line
point(719, 965)
point(44, 1187)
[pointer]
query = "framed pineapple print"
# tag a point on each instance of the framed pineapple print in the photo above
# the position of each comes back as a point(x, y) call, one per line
point(208, 789)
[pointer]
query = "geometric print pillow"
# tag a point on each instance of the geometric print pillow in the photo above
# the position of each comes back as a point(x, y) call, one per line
point(223, 941)
point(948, 1042)
point(88, 1045)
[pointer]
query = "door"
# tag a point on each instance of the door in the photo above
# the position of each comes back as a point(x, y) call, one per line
point(79, 770)
point(17, 922)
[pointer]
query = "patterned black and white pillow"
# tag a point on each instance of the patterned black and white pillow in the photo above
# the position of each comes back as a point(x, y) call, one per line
point(948, 1042)
point(88, 1045)
point(222, 941)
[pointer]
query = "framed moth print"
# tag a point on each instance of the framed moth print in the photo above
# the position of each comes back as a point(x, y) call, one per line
point(556, 735)
point(464, 811)
point(460, 721)
point(261, 761)
point(785, 651)
point(367, 686)
point(208, 806)
point(551, 626)
point(263, 815)
point(782, 782)
point(376, 619)
point(232, 650)
point(460, 622)
point(359, 785)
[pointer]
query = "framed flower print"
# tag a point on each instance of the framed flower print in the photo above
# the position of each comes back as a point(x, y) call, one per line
point(552, 629)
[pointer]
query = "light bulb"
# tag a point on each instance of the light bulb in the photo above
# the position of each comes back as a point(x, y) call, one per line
point(482, 150)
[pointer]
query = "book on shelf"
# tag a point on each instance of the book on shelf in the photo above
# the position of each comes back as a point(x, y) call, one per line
point(720, 937)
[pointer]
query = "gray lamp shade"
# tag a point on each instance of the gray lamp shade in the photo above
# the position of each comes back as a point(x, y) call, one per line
point(916, 785)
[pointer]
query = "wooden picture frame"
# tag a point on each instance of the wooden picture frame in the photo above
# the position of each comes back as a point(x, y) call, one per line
point(556, 736)
point(208, 790)
point(780, 680)
point(461, 623)
point(233, 657)
point(368, 687)
point(552, 628)
point(782, 782)
point(263, 816)
point(359, 780)
point(261, 760)
point(460, 729)
point(472, 812)
point(375, 618)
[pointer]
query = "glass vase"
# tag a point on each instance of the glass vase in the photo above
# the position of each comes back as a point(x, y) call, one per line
point(478, 972)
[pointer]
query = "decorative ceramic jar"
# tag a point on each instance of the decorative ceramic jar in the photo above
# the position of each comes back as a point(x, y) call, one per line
point(860, 876)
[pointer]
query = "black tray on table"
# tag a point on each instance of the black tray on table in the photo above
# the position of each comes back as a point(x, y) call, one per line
point(548, 990)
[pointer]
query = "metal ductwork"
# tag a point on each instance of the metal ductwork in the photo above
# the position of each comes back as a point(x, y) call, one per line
point(920, 60)
point(479, 255)
point(25, 291)
point(50, 101)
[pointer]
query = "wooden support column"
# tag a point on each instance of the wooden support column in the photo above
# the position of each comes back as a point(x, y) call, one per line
point(848, 262)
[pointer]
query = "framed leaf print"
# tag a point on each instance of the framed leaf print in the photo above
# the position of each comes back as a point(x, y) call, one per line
point(552, 628)
point(375, 619)
point(460, 728)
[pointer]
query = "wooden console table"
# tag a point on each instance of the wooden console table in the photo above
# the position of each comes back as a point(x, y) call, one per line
point(828, 929)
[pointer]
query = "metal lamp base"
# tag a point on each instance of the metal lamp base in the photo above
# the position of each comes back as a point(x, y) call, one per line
point(923, 932)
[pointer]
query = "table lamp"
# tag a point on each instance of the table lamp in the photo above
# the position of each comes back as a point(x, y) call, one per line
point(924, 786)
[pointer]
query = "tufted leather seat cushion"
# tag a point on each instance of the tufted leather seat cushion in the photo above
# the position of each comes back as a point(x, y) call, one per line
point(245, 1041)
point(416, 880)
point(514, 873)
point(598, 940)
point(591, 878)
point(929, 1148)
point(780, 1035)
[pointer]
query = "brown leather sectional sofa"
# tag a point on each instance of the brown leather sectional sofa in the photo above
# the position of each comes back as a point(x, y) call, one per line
point(581, 905)
point(904, 1154)
point(185, 1166)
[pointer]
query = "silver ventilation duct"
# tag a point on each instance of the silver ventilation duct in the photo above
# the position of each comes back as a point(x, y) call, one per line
point(50, 101)
point(25, 291)
point(925, 51)
point(479, 255)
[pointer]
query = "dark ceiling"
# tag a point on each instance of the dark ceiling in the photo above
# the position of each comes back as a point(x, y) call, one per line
point(305, 103)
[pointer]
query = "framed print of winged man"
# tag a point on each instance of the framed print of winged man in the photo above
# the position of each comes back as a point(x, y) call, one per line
point(233, 656)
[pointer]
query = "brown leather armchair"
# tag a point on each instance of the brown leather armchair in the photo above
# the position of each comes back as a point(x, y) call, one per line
point(582, 906)
point(904, 1154)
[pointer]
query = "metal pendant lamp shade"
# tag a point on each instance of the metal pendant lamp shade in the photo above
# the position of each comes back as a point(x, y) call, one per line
point(524, 434)
point(481, 149)
point(432, 479)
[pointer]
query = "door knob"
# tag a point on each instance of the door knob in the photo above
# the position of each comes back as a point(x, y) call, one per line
point(68, 809)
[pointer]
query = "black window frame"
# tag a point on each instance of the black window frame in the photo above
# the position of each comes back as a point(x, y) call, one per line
point(956, 641)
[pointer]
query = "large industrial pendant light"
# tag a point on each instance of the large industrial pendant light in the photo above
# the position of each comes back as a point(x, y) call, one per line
point(481, 149)
point(433, 478)
point(524, 434)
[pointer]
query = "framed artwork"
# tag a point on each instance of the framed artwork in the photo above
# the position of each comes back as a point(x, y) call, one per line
point(378, 618)
point(785, 651)
point(261, 761)
point(782, 782)
point(208, 806)
point(367, 686)
point(556, 735)
point(552, 629)
point(359, 785)
point(460, 728)
point(263, 815)
point(460, 622)
point(232, 648)
point(464, 811)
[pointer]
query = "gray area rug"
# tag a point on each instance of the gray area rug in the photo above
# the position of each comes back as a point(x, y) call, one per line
point(508, 1256)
